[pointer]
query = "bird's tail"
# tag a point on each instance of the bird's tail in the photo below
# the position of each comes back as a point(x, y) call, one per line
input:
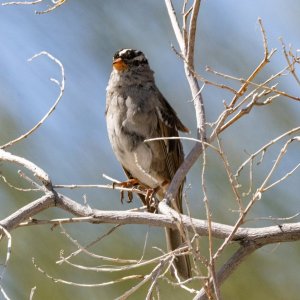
point(182, 263)
point(175, 240)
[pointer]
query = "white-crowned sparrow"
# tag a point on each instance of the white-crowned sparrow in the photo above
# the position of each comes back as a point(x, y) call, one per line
point(136, 110)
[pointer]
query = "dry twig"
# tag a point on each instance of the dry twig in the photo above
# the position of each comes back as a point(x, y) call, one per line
point(61, 85)
point(56, 4)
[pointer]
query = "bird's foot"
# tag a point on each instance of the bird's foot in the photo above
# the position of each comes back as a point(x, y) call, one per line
point(131, 183)
point(151, 200)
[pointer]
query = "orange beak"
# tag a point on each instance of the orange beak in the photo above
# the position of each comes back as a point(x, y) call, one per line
point(119, 64)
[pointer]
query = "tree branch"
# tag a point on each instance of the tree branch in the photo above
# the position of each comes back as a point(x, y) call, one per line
point(229, 267)
point(187, 53)
point(61, 85)
point(261, 236)
point(37, 171)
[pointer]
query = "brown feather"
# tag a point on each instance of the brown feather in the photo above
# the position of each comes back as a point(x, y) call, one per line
point(174, 156)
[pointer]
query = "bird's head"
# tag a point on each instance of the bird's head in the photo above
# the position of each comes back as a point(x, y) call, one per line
point(127, 59)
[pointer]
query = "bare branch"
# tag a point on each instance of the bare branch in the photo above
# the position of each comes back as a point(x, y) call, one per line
point(56, 4)
point(264, 148)
point(32, 293)
point(126, 278)
point(229, 267)
point(291, 65)
point(37, 171)
point(22, 2)
point(192, 34)
point(8, 251)
point(61, 85)
point(198, 101)
point(3, 293)
point(15, 187)
point(271, 234)
point(175, 25)
point(257, 85)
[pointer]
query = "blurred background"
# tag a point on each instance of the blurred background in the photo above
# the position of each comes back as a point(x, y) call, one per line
point(73, 147)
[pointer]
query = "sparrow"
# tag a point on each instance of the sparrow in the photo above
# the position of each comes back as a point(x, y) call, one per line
point(135, 111)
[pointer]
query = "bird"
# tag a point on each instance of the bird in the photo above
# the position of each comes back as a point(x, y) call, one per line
point(135, 111)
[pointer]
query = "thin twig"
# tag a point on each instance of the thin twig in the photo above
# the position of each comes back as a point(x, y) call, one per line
point(61, 85)
point(257, 85)
point(22, 2)
point(125, 278)
point(32, 291)
point(232, 179)
point(15, 187)
point(36, 171)
point(56, 4)
point(211, 265)
point(198, 103)
point(192, 34)
point(264, 148)
point(155, 272)
point(229, 267)
point(8, 251)
point(4, 293)
point(291, 65)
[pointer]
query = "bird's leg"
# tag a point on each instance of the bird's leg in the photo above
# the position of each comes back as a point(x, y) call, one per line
point(151, 200)
point(130, 183)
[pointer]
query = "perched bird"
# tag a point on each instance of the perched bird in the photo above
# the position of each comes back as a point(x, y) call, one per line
point(135, 111)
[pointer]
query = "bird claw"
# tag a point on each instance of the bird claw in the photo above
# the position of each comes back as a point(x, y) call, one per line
point(126, 184)
point(150, 200)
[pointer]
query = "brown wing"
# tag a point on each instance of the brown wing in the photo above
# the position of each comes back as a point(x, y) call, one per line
point(169, 116)
point(168, 126)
